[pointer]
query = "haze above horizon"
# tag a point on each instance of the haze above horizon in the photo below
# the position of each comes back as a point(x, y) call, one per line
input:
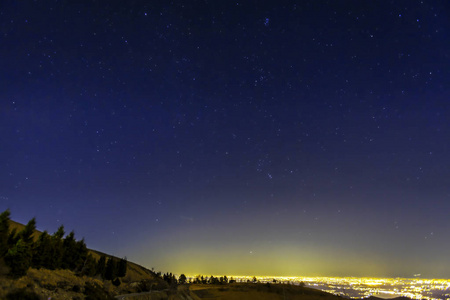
point(233, 137)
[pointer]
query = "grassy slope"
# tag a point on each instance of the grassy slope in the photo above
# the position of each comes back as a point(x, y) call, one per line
point(61, 283)
point(135, 272)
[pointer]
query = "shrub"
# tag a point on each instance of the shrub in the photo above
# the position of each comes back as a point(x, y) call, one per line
point(116, 282)
point(22, 294)
point(76, 288)
point(93, 291)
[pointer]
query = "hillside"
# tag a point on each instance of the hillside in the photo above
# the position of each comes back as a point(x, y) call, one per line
point(257, 291)
point(135, 272)
point(237, 291)
point(65, 284)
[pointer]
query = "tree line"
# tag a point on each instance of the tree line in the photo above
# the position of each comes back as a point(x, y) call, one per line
point(199, 279)
point(19, 251)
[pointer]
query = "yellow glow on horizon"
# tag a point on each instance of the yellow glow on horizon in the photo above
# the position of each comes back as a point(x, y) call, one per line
point(413, 288)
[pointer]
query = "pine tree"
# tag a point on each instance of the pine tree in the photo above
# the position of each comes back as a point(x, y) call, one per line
point(42, 251)
point(111, 269)
point(57, 248)
point(182, 279)
point(81, 254)
point(122, 267)
point(13, 238)
point(19, 256)
point(101, 266)
point(89, 267)
point(4, 232)
point(26, 234)
point(69, 257)
point(18, 259)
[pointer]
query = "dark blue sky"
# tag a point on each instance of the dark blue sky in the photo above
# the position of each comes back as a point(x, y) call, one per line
point(293, 138)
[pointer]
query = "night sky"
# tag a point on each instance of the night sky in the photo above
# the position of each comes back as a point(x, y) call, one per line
point(218, 137)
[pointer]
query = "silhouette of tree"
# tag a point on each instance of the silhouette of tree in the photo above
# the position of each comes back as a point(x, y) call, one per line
point(42, 251)
point(59, 233)
point(81, 254)
point(122, 267)
point(170, 279)
point(18, 259)
point(213, 280)
point(26, 234)
point(89, 267)
point(111, 269)
point(13, 238)
point(57, 248)
point(69, 257)
point(182, 279)
point(4, 232)
point(197, 279)
point(101, 266)
point(19, 256)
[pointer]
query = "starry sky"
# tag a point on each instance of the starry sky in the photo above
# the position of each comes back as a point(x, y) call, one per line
point(287, 138)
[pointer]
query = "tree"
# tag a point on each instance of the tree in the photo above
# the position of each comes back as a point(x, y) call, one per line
point(101, 266)
point(223, 280)
point(81, 254)
point(89, 266)
point(182, 279)
point(170, 278)
point(13, 238)
point(19, 256)
point(27, 233)
point(69, 257)
point(4, 232)
point(122, 267)
point(18, 259)
point(198, 279)
point(42, 251)
point(57, 248)
point(111, 269)
point(59, 234)
point(213, 280)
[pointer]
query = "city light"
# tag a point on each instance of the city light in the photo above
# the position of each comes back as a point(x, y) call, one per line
point(363, 287)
